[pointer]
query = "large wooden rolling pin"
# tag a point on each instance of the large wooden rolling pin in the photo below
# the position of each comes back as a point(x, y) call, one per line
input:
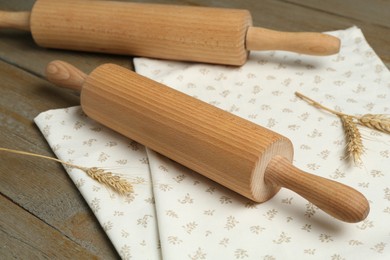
point(240, 155)
point(212, 35)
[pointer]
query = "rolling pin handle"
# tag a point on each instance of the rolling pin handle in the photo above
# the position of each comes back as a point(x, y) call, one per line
point(15, 20)
point(65, 75)
point(336, 199)
point(319, 44)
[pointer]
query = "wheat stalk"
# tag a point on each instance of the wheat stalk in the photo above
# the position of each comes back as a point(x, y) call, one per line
point(355, 146)
point(111, 180)
point(378, 122)
point(318, 105)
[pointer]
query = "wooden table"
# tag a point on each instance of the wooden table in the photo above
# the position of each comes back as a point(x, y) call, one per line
point(42, 214)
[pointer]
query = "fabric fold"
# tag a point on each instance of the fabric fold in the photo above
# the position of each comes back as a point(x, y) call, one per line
point(200, 219)
point(129, 221)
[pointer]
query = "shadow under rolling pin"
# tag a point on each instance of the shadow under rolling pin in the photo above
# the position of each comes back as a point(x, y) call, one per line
point(201, 34)
point(238, 154)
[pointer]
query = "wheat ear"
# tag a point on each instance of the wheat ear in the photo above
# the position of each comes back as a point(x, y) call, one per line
point(355, 146)
point(111, 180)
point(379, 122)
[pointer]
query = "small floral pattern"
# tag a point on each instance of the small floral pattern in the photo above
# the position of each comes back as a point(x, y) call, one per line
point(229, 226)
point(130, 221)
point(199, 219)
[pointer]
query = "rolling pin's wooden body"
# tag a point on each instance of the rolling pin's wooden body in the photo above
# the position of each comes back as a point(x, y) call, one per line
point(226, 148)
point(232, 151)
point(150, 30)
point(202, 34)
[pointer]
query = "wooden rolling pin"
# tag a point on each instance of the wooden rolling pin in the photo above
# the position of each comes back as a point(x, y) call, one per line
point(240, 155)
point(212, 35)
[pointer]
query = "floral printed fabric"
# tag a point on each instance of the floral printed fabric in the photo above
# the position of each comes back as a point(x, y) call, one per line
point(199, 219)
point(130, 221)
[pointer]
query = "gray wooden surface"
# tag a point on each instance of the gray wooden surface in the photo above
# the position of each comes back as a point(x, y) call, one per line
point(42, 214)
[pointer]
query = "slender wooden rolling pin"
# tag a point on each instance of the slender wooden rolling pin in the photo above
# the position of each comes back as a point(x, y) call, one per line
point(240, 155)
point(212, 35)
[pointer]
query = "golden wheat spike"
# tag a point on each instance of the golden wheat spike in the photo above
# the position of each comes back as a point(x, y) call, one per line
point(121, 185)
point(379, 122)
point(113, 181)
point(355, 146)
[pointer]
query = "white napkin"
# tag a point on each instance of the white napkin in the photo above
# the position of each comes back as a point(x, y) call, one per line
point(130, 222)
point(198, 219)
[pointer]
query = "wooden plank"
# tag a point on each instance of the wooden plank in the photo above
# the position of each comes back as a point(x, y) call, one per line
point(17, 5)
point(372, 17)
point(41, 187)
point(23, 236)
point(375, 12)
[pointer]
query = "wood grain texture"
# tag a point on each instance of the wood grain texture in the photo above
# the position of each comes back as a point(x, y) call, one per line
point(38, 187)
point(221, 146)
point(305, 15)
point(23, 236)
point(19, 52)
point(373, 11)
point(15, 20)
point(61, 74)
point(336, 199)
point(301, 42)
point(18, 48)
point(175, 32)
point(160, 31)
point(244, 157)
